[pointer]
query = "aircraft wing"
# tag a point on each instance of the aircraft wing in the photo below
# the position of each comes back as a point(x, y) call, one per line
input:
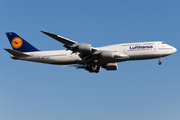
point(72, 45)
point(59, 38)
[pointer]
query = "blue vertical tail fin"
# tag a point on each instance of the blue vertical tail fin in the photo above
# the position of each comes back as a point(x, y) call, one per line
point(19, 44)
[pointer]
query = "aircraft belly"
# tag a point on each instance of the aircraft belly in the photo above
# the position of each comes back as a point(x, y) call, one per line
point(112, 60)
point(31, 59)
point(147, 56)
point(63, 60)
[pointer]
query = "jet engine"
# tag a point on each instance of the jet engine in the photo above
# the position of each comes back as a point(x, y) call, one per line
point(79, 47)
point(83, 47)
point(111, 66)
point(107, 54)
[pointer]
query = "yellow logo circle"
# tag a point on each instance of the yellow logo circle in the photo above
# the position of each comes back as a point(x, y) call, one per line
point(16, 42)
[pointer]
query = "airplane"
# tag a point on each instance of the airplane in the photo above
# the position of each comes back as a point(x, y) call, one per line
point(84, 56)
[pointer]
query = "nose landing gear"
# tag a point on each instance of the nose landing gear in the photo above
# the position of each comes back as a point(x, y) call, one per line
point(160, 61)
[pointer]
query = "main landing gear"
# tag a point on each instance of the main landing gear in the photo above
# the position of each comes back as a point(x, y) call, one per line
point(160, 61)
point(93, 67)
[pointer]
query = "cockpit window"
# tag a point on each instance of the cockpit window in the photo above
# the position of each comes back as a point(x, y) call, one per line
point(163, 43)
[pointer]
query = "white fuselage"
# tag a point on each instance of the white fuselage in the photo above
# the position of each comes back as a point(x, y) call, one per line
point(127, 51)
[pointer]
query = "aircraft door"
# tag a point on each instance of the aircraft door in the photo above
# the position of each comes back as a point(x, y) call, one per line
point(155, 48)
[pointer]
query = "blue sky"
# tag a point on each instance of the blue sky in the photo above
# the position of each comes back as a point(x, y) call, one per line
point(138, 90)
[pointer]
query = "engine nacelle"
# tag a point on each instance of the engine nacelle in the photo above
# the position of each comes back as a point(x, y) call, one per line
point(111, 66)
point(83, 47)
point(107, 54)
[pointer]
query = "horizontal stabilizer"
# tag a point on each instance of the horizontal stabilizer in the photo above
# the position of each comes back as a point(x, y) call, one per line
point(16, 53)
point(59, 38)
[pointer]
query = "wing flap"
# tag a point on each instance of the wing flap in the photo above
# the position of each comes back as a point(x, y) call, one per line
point(16, 53)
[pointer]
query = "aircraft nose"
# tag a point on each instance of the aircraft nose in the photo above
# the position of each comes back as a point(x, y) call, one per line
point(174, 49)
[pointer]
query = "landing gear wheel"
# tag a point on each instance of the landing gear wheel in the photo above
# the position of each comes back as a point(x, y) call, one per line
point(98, 69)
point(160, 61)
point(93, 68)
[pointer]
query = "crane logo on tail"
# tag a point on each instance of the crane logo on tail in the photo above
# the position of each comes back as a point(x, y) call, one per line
point(16, 42)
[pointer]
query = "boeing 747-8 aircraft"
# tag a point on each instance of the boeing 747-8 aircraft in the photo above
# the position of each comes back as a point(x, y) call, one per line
point(84, 56)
